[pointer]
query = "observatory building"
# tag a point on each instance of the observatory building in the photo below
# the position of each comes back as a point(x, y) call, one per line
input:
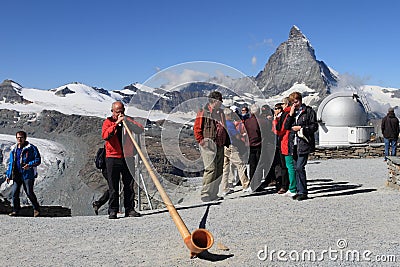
point(342, 120)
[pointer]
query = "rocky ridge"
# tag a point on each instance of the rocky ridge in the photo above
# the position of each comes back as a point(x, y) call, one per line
point(294, 62)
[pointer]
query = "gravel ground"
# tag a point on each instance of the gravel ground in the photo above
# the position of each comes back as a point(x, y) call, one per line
point(350, 211)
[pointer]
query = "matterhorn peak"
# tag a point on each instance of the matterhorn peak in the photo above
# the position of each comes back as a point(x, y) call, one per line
point(295, 33)
point(294, 63)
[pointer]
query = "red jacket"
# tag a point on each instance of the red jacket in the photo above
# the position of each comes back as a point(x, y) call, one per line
point(206, 126)
point(112, 144)
point(282, 133)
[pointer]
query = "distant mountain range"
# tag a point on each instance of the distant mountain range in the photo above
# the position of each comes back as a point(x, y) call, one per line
point(293, 67)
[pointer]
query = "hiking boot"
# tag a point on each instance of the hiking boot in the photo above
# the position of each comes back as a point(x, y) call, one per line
point(113, 215)
point(95, 208)
point(13, 214)
point(295, 196)
point(36, 213)
point(302, 197)
point(132, 213)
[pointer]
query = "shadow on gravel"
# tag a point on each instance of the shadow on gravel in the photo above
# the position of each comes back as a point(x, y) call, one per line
point(203, 221)
point(184, 208)
point(326, 186)
point(205, 255)
point(45, 211)
point(261, 192)
point(348, 193)
point(332, 187)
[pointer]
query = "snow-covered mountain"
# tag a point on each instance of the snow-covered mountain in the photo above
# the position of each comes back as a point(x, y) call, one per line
point(81, 99)
point(294, 62)
point(293, 67)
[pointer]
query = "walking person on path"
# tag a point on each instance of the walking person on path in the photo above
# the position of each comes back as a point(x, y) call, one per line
point(22, 169)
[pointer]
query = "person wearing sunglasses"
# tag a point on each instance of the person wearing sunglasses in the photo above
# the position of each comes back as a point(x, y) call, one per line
point(279, 166)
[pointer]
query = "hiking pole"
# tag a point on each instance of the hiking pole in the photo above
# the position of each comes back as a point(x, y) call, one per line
point(197, 242)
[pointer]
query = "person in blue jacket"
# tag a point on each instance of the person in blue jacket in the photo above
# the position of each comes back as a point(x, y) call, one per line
point(22, 169)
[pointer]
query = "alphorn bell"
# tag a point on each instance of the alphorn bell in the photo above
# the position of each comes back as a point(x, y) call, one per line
point(197, 242)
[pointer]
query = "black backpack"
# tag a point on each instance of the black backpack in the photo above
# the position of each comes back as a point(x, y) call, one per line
point(100, 159)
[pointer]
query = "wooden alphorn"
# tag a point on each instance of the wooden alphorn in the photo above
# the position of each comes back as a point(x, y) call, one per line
point(198, 241)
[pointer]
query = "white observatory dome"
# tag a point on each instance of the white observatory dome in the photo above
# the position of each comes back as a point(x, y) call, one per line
point(342, 109)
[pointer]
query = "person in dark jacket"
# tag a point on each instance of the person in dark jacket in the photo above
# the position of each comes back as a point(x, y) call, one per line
point(117, 155)
point(253, 130)
point(390, 131)
point(210, 132)
point(302, 121)
point(22, 169)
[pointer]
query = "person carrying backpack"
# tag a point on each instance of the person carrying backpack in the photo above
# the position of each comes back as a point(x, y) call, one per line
point(117, 155)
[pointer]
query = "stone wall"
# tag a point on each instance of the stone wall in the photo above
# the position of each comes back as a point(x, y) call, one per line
point(371, 150)
point(394, 172)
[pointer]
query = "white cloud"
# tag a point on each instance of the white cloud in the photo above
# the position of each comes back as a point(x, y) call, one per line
point(175, 79)
point(254, 60)
point(265, 42)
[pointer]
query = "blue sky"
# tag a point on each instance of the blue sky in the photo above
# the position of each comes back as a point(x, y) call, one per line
point(110, 44)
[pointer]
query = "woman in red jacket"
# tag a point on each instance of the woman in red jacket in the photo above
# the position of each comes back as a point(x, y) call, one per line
point(283, 134)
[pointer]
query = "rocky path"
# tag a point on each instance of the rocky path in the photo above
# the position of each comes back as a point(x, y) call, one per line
point(352, 219)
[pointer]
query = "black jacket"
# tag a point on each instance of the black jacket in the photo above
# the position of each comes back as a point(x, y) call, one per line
point(390, 126)
point(308, 121)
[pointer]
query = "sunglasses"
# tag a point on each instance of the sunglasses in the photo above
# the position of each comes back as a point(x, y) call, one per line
point(277, 108)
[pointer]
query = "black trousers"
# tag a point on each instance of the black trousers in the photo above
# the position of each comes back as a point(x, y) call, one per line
point(254, 158)
point(117, 167)
point(281, 172)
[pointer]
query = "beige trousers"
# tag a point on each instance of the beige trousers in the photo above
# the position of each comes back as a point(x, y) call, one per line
point(233, 160)
point(213, 159)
